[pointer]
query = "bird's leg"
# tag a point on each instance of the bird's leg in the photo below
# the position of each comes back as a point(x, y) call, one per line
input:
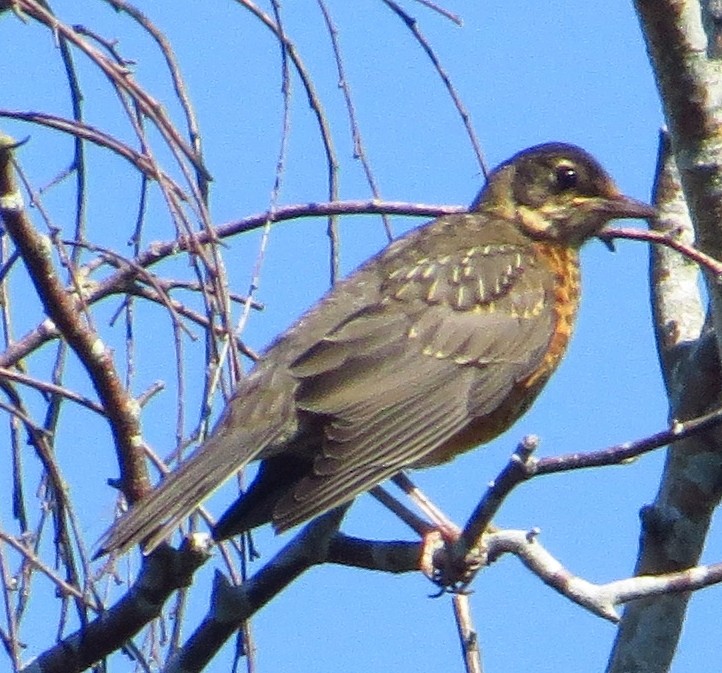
point(411, 519)
point(449, 531)
point(440, 560)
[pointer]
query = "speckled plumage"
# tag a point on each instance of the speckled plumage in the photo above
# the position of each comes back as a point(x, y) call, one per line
point(437, 344)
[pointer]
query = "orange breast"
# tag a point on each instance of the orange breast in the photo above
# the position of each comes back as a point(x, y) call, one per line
point(563, 262)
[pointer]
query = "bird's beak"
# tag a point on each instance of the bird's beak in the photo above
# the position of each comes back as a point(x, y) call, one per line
point(600, 210)
point(619, 206)
point(624, 207)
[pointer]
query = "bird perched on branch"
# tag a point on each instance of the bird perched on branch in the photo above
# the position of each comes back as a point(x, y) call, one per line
point(435, 345)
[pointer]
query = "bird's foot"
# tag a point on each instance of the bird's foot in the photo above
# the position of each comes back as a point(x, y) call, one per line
point(445, 565)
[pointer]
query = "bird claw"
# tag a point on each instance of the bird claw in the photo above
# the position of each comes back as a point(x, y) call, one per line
point(448, 571)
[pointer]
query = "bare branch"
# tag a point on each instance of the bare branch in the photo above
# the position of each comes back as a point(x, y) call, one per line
point(162, 573)
point(64, 311)
point(679, 313)
point(468, 637)
point(231, 606)
point(600, 599)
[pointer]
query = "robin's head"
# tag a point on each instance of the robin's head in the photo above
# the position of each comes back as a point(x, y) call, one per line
point(557, 192)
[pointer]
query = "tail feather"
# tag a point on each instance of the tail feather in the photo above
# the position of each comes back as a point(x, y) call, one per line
point(153, 519)
point(276, 477)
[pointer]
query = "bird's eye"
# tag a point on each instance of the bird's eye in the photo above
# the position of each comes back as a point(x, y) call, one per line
point(566, 177)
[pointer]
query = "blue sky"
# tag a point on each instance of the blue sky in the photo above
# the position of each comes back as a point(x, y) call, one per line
point(528, 72)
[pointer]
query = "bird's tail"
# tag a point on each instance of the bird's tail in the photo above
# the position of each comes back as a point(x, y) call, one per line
point(153, 519)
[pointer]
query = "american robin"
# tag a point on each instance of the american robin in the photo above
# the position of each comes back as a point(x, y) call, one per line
point(435, 345)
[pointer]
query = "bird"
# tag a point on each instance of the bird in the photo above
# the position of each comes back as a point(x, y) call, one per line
point(435, 345)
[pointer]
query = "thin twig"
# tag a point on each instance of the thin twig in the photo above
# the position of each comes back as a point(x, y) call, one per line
point(468, 636)
point(523, 466)
point(358, 144)
point(413, 26)
point(667, 239)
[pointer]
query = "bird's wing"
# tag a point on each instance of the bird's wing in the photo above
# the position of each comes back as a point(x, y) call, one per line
point(396, 381)
point(260, 420)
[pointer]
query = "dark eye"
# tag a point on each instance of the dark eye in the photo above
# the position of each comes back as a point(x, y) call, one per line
point(566, 177)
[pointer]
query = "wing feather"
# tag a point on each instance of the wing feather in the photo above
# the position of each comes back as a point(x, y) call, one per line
point(381, 372)
point(397, 381)
point(319, 492)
